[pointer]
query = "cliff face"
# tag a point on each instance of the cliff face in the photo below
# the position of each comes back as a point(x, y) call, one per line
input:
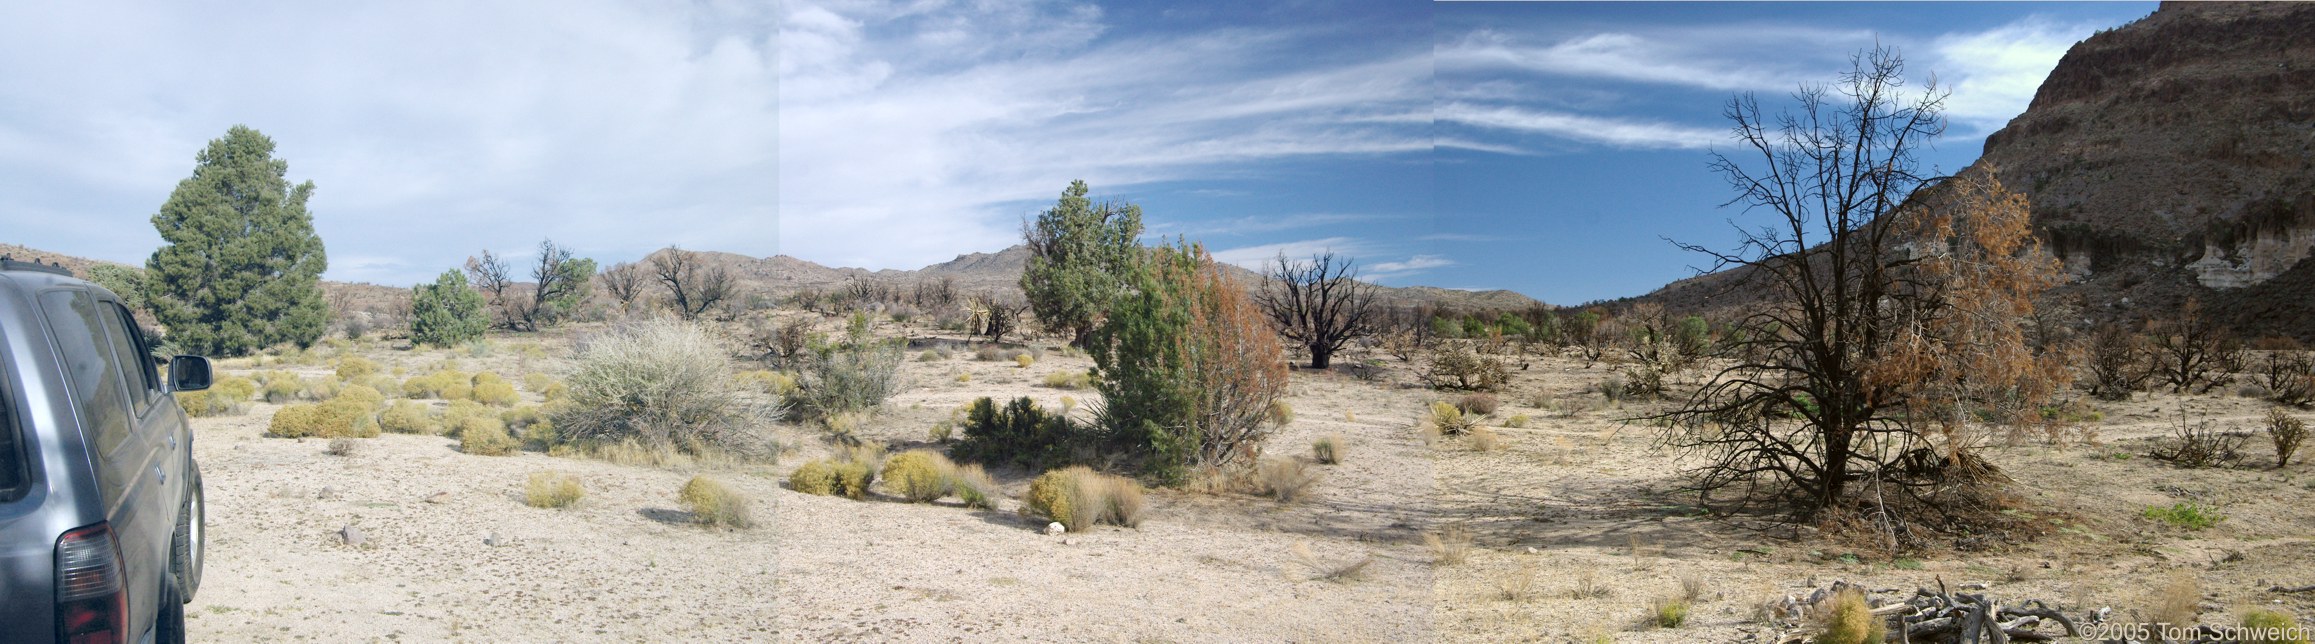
point(2174, 157)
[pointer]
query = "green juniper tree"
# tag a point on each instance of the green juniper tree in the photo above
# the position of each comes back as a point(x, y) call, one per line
point(1078, 253)
point(241, 268)
point(447, 312)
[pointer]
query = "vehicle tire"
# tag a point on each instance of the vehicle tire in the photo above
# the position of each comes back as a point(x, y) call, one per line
point(169, 625)
point(185, 548)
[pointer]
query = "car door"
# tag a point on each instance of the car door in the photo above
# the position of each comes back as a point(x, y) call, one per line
point(127, 463)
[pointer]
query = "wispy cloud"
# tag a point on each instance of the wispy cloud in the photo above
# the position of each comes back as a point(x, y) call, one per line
point(1262, 224)
point(874, 131)
point(1616, 131)
point(1412, 265)
point(1994, 73)
point(1260, 256)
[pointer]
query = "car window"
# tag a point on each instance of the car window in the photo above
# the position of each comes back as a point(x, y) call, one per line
point(143, 386)
point(92, 372)
point(12, 478)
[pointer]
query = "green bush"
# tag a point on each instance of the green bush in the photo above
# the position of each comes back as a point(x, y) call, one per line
point(853, 479)
point(1068, 380)
point(448, 312)
point(1327, 450)
point(920, 476)
point(2186, 514)
point(283, 389)
point(553, 490)
point(2272, 626)
point(1669, 613)
point(334, 419)
point(209, 403)
point(1021, 433)
point(816, 477)
point(409, 417)
point(234, 389)
point(710, 503)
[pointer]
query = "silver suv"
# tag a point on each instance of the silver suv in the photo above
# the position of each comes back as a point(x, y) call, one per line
point(100, 501)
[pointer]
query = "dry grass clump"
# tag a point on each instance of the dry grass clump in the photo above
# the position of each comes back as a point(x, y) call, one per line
point(228, 396)
point(1283, 479)
point(1024, 360)
point(362, 396)
point(1449, 546)
point(766, 381)
point(1079, 498)
point(552, 489)
point(1846, 618)
point(920, 476)
point(1479, 404)
point(974, 487)
point(334, 419)
point(1068, 380)
point(2178, 601)
point(1448, 420)
point(1327, 450)
point(283, 388)
point(1485, 440)
point(712, 504)
point(409, 417)
point(816, 477)
point(1280, 414)
point(851, 379)
point(342, 446)
point(537, 383)
point(1337, 572)
point(1668, 612)
point(1517, 421)
point(848, 474)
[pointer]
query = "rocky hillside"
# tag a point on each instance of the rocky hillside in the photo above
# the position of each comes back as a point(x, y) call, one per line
point(1000, 273)
point(2174, 157)
point(2167, 159)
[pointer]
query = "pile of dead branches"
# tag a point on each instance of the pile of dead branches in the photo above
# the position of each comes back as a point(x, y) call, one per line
point(1938, 616)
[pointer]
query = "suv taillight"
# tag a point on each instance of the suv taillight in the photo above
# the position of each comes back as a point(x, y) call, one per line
point(91, 603)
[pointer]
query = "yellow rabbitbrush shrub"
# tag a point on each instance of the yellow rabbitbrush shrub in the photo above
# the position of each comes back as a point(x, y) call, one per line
point(710, 503)
point(409, 417)
point(921, 476)
point(368, 399)
point(447, 384)
point(353, 367)
point(552, 489)
point(1079, 498)
point(334, 419)
point(498, 393)
point(484, 436)
point(816, 477)
point(1845, 618)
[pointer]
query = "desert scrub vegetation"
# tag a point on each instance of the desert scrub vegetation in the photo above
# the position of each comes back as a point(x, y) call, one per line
point(2272, 626)
point(1070, 380)
point(767, 381)
point(1449, 546)
point(492, 389)
point(448, 312)
point(920, 476)
point(711, 503)
point(1189, 367)
point(351, 368)
point(409, 417)
point(1479, 404)
point(444, 384)
point(661, 383)
point(1020, 433)
point(1446, 419)
point(848, 473)
point(553, 489)
point(1078, 498)
point(1327, 450)
point(1845, 618)
point(333, 419)
point(2186, 514)
point(1456, 366)
point(2286, 432)
point(1319, 305)
point(1285, 480)
point(484, 435)
point(229, 396)
point(530, 424)
point(974, 487)
point(852, 378)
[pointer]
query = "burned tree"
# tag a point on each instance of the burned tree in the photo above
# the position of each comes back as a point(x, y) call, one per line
point(1320, 304)
point(2192, 353)
point(1892, 321)
point(493, 279)
point(692, 285)
point(624, 281)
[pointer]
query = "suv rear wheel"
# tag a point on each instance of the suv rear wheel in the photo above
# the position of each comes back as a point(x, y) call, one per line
point(186, 546)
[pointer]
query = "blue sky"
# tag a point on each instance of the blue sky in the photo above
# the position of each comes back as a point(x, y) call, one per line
point(1541, 147)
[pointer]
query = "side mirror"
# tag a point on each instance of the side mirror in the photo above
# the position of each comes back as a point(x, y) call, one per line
point(188, 373)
